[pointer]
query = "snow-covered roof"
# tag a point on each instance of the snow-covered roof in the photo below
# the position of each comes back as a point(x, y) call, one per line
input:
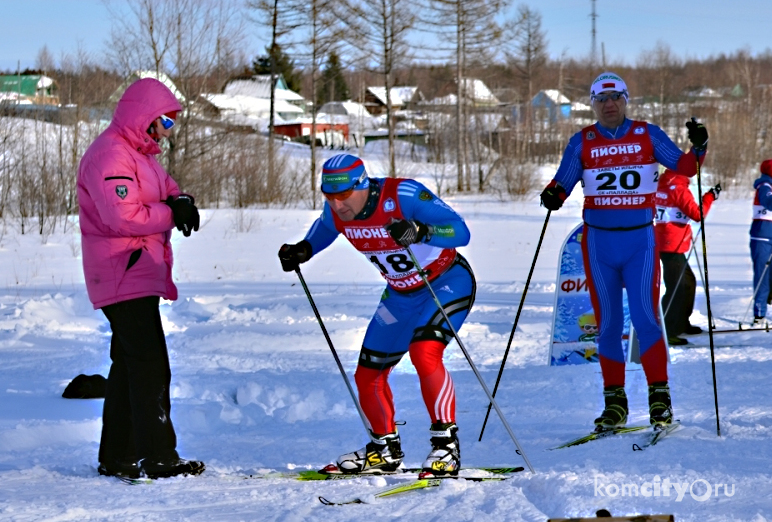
point(555, 95)
point(345, 108)
point(250, 106)
point(399, 95)
point(476, 90)
point(260, 87)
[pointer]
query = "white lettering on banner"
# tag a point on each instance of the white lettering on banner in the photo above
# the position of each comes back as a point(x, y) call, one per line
point(616, 201)
point(613, 150)
point(365, 233)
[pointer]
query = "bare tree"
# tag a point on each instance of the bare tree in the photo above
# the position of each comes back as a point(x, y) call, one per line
point(528, 54)
point(282, 17)
point(661, 69)
point(194, 41)
point(471, 26)
point(383, 27)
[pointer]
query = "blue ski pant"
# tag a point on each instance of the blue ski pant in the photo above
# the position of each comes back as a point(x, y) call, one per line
point(617, 259)
point(761, 254)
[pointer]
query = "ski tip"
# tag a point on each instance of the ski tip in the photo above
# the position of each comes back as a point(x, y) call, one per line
point(326, 502)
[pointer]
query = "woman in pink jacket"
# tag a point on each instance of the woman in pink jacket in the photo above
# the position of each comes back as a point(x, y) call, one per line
point(128, 207)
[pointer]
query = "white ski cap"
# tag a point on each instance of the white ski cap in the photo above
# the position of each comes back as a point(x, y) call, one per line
point(608, 81)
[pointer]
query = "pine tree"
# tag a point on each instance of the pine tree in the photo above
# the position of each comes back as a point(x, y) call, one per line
point(333, 85)
point(285, 66)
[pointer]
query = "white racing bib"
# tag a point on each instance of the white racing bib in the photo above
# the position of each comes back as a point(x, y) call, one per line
point(671, 215)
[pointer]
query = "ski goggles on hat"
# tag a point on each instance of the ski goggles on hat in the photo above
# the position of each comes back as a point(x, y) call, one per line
point(604, 96)
point(166, 122)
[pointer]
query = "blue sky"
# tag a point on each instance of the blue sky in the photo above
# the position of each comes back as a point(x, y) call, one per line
point(626, 28)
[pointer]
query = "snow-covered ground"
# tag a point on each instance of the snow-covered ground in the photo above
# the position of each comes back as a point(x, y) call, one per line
point(255, 387)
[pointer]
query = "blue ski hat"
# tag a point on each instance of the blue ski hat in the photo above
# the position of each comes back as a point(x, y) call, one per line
point(344, 172)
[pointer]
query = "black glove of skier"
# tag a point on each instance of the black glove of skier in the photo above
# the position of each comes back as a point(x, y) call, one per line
point(291, 256)
point(407, 232)
point(698, 135)
point(715, 191)
point(185, 213)
point(553, 196)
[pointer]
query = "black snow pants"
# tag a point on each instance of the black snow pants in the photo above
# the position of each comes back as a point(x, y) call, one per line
point(135, 421)
point(678, 301)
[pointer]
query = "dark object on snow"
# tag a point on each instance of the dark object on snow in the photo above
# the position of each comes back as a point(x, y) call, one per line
point(603, 513)
point(609, 518)
point(86, 387)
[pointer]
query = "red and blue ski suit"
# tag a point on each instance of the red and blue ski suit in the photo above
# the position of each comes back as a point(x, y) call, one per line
point(407, 318)
point(618, 170)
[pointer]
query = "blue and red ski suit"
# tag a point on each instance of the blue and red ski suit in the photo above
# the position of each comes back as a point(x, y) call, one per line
point(618, 170)
point(761, 244)
point(407, 318)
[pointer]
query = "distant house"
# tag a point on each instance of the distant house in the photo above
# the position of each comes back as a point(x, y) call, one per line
point(243, 110)
point(474, 92)
point(549, 106)
point(259, 86)
point(138, 75)
point(402, 98)
point(28, 89)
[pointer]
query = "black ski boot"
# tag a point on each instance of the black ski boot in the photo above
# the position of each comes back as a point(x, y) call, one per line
point(382, 454)
point(614, 414)
point(445, 457)
point(660, 409)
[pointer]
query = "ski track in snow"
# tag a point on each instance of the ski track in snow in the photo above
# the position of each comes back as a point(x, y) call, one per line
point(256, 389)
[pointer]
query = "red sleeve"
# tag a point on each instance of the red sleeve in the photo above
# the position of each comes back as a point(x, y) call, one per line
point(686, 203)
point(687, 163)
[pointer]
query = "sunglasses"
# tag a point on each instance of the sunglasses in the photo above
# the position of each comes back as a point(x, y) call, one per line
point(166, 122)
point(589, 327)
point(612, 95)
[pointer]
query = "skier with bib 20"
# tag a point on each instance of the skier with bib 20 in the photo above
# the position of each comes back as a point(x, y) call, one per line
point(616, 160)
point(381, 218)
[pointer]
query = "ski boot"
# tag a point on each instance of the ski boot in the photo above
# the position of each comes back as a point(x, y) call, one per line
point(382, 455)
point(445, 457)
point(660, 410)
point(614, 414)
point(155, 469)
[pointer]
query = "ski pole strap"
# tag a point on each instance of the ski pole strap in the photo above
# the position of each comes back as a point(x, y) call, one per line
point(621, 229)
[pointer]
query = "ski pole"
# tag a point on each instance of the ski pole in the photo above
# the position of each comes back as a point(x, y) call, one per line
point(514, 326)
point(334, 353)
point(468, 358)
point(756, 290)
point(707, 288)
point(681, 275)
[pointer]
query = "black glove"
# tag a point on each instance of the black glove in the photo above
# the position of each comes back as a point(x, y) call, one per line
point(292, 255)
point(715, 191)
point(698, 135)
point(407, 232)
point(185, 213)
point(553, 196)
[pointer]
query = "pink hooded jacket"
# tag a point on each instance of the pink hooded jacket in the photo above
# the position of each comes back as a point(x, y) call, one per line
point(125, 224)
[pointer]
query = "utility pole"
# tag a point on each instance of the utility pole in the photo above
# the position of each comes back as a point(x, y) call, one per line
point(593, 47)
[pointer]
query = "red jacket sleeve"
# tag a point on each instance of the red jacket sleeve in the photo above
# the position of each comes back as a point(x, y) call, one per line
point(686, 203)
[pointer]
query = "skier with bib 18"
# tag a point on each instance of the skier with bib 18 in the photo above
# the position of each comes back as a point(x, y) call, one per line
point(381, 218)
point(616, 160)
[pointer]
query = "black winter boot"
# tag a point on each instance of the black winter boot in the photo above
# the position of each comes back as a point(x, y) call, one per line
point(660, 409)
point(614, 414)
